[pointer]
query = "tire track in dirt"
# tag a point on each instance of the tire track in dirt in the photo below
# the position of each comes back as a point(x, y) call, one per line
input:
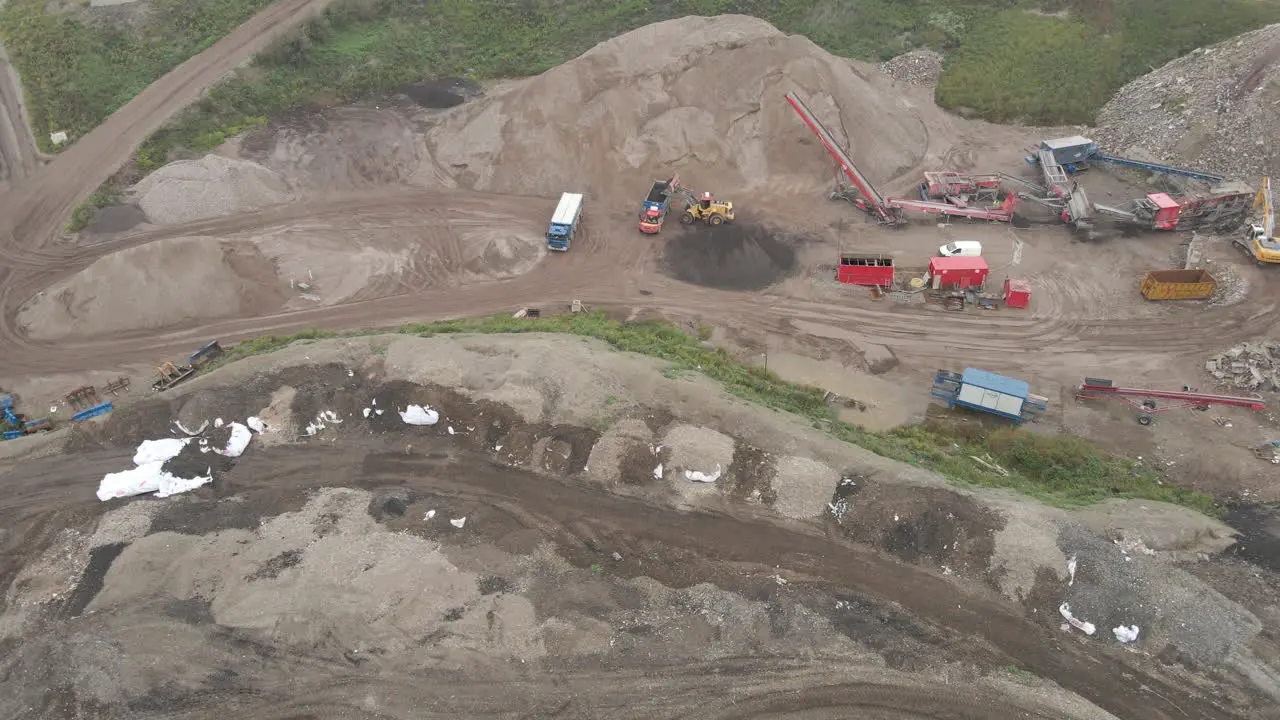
point(681, 549)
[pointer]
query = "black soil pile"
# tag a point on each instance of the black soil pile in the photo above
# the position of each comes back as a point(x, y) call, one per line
point(735, 256)
point(441, 93)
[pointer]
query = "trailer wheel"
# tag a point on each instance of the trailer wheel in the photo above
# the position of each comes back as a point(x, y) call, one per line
point(687, 218)
point(1145, 419)
point(716, 220)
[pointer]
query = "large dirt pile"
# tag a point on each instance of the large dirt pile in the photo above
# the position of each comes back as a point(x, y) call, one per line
point(327, 259)
point(1214, 109)
point(700, 95)
point(213, 186)
point(157, 285)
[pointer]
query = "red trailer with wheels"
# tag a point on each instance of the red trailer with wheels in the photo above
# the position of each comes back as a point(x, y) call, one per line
point(957, 273)
point(1149, 402)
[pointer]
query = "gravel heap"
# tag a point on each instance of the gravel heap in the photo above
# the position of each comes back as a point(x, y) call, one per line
point(213, 186)
point(1213, 109)
point(918, 67)
point(1120, 581)
point(1251, 365)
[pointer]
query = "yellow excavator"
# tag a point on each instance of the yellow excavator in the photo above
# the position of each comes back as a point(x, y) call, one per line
point(702, 208)
point(1260, 239)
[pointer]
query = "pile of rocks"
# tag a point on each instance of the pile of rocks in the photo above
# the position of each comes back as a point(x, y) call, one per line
point(1251, 365)
point(1213, 109)
point(918, 67)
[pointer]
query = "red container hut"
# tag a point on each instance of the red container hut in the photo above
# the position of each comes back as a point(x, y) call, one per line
point(865, 270)
point(1017, 293)
point(957, 272)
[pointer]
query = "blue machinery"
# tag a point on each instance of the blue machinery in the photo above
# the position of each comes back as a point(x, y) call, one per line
point(1076, 153)
point(19, 425)
point(988, 392)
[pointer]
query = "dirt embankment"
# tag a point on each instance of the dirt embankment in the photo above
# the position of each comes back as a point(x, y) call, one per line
point(698, 95)
point(572, 555)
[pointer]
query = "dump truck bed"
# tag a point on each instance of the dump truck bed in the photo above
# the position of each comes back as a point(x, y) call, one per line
point(1178, 285)
point(658, 192)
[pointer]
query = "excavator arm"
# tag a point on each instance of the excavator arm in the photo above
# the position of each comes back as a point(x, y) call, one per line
point(1265, 202)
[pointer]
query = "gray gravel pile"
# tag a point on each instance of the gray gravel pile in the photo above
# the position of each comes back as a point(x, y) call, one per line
point(212, 186)
point(1121, 582)
point(1213, 109)
point(918, 67)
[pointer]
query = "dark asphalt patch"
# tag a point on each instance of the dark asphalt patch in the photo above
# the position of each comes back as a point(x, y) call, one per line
point(734, 256)
point(1259, 527)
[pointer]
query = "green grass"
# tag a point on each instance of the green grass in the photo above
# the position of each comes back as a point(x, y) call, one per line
point(1005, 62)
point(1064, 471)
point(76, 73)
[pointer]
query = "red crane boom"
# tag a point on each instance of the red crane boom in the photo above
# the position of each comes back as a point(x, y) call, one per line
point(874, 199)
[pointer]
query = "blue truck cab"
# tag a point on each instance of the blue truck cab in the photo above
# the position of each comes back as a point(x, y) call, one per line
point(564, 222)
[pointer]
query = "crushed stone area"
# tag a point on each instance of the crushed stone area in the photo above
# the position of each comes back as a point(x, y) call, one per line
point(1212, 109)
point(918, 67)
point(1253, 366)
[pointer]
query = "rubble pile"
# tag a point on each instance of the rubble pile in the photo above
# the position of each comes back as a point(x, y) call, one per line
point(1213, 109)
point(1251, 365)
point(918, 67)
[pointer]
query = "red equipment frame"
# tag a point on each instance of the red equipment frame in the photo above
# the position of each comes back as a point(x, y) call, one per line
point(1100, 389)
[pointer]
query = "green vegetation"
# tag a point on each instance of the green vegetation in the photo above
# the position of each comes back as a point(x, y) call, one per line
point(1051, 61)
point(77, 72)
point(1025, 64)
point(1064, 471)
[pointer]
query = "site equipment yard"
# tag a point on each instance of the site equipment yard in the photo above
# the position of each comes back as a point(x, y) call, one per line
point(586, 533)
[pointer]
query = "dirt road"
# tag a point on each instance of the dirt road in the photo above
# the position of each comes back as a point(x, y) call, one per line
point(18, 153)
point(612, 266)
point(736, 551)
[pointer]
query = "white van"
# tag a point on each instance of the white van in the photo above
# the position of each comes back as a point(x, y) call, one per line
point(961, 248)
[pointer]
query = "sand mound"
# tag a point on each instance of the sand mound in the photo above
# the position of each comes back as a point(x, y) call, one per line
point(327, 261)
point(342, 149)
point(698, 95)
point(1213, 109)
point(156, 285)
point(213, 186)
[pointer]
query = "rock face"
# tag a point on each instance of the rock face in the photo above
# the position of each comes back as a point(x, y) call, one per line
point(701, 95)
point(1214, 109)
point(1253, 366)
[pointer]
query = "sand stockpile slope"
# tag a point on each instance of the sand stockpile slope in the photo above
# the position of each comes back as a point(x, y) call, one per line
point(425, 240)
point(700, 95)
point(157, 285)
point(213, 186)
point(1215, 109)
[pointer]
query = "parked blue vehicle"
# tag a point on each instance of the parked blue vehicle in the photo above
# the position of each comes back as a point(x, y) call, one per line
point(565, 222)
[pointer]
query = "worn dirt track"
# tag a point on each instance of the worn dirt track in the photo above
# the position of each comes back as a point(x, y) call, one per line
point(679, 550)
point(604, 269)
